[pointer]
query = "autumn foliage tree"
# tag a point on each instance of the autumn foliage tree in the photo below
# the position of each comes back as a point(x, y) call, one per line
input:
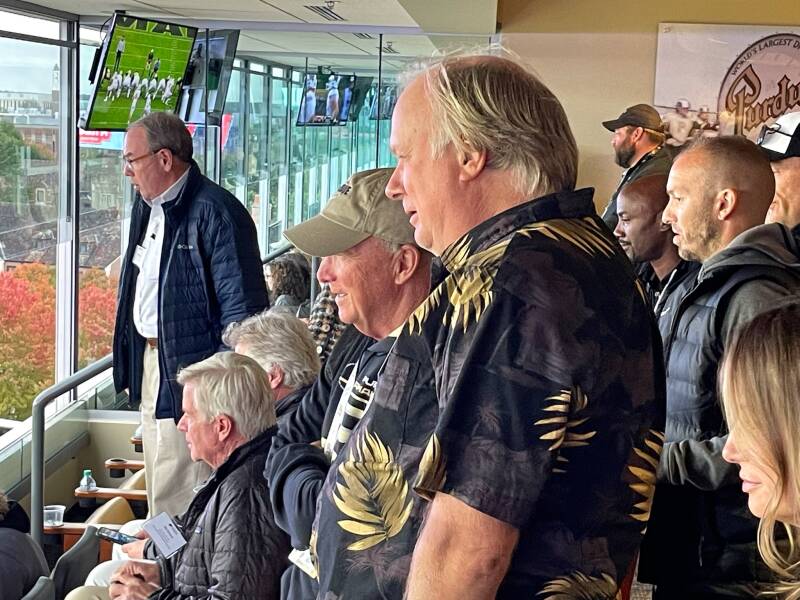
point(28, 328)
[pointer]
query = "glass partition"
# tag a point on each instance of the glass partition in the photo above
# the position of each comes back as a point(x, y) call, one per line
point(104, 205)
point(32, 227)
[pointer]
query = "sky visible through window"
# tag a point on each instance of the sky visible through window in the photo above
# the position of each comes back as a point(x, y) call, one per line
point(27, 66)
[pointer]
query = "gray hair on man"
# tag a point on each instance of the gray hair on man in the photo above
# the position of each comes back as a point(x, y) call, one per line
point(280, 340)
point(166, 130)
point(4, 508)
point(234, 385)
point(489, 100)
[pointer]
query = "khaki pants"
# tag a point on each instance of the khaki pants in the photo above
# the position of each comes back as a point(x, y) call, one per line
point(170, 474)
point(89, 593)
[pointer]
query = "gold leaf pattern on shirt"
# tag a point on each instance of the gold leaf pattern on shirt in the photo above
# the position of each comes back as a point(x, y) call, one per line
point(584, 234)
point(423, 311)
point(431, 475)
point(454, 256)
point(645, 484)
point(468, 288)
point(373, 492)
point(578, 586)
point(562, 425)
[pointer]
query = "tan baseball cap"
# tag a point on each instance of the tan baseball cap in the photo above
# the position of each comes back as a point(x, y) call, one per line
point(359, 209)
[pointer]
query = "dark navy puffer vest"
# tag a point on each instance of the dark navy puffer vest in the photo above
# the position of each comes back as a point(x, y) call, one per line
point(699, 536)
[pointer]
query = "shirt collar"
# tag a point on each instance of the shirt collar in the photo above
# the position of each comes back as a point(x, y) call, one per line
point(560, 205)
point(172, 191)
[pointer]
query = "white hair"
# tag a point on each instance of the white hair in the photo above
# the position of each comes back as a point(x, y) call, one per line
point(489, 100)
point(234, 385)
point(4, 508)
point(275, 339)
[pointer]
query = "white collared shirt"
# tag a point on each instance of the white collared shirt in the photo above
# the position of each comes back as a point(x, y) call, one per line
point(147, 257)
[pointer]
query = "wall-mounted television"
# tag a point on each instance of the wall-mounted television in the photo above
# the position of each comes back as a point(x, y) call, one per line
point(326, 99)
point(219, 48)
point(141, 70)
point(359, 90)
point(385, 102)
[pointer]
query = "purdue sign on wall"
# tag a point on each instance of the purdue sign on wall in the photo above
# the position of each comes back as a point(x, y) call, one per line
point(762, 84)
point(733, 78)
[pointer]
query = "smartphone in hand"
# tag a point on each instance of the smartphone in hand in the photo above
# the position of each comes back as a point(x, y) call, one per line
point(115, 536)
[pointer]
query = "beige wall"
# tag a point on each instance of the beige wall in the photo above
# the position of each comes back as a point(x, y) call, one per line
point(599, 57)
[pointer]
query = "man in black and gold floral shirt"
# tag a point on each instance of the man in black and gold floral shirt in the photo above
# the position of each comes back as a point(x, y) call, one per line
point(533, 464)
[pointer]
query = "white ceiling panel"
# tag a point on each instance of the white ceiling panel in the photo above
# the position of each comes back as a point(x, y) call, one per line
point(358, 12)
point(325, 42)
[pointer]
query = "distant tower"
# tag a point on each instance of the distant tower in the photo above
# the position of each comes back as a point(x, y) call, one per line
point(56, 88)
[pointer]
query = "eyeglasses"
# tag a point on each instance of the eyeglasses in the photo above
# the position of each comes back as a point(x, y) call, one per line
point(128, 162)
point(768, 130)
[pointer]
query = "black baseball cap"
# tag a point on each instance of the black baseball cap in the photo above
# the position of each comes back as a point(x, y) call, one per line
point(781, 139)
point(638, 115)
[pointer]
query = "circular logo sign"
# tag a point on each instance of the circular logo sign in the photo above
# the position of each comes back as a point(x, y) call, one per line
point(761, 84)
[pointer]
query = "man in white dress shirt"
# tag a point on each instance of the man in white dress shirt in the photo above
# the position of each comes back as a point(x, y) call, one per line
point(192, 267)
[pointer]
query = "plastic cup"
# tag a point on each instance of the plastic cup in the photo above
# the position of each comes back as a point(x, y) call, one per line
point(54, 515)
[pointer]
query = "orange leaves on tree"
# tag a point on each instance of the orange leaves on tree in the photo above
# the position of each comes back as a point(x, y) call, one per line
point(28, 327)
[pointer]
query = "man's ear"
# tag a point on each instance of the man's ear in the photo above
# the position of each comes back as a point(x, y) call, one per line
point(472, 162)
point(725, 203)
point(405, 263)
point(275, 376)
point(223, 425)
point(165, 160)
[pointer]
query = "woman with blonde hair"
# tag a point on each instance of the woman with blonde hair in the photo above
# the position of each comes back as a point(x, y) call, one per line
point(760, 379)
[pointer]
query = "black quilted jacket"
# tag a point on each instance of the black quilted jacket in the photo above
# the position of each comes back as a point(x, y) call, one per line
point(235, 550)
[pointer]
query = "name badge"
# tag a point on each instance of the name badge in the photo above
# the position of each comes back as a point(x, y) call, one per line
point(165, 534)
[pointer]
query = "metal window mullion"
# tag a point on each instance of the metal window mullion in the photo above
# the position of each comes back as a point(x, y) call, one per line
point(36, 9)
point(287, 147)
point(68, 238)
point(378, 100)
point(264, 212)
point(24, 37)
point(245, 111)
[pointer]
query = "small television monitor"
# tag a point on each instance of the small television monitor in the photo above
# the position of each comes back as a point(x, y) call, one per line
point(324, 96)
point(219, 49)
point(141, 70)
point(359, 90)
point(385, 102)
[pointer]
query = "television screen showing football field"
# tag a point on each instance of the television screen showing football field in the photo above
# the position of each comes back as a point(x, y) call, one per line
point(141, 71)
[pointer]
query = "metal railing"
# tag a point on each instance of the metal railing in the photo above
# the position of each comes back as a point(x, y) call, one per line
point(41, 402)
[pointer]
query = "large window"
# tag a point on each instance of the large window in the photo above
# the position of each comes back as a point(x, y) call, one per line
point(33, 236)
point(233, 171)
point(104, 205)
point(52, 270)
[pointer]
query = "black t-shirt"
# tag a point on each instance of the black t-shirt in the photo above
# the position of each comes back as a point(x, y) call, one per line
point(530, 386)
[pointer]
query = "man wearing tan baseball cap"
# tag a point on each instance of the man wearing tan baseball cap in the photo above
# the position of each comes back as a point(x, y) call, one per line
point(378, 276)
point(357, 211)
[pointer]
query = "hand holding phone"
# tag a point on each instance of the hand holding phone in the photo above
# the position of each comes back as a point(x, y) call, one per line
point(115, 536)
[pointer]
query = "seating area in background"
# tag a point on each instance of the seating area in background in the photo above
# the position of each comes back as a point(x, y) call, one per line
point(71, 569)
point(82, 549)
